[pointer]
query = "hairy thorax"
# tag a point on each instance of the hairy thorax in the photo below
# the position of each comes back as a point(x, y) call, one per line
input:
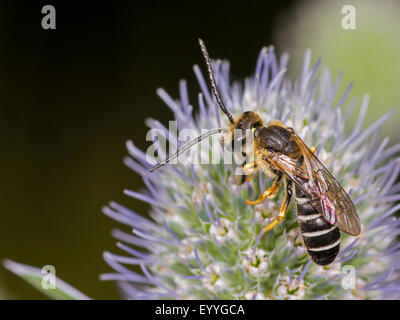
point(274, 138)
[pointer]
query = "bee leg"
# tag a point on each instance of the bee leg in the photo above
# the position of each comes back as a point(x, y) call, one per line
point(283, 210)
point(313, 149)
point(249, 169)
point(269, 193)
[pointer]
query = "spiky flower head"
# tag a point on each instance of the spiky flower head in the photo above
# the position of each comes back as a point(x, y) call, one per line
point(200, 240)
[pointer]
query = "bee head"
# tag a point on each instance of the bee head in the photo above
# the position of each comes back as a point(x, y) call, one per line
point(248, 120)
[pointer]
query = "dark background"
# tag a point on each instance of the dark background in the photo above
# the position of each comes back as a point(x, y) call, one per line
point(71, 97)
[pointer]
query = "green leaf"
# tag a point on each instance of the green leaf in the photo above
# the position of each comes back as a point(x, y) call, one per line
point(35, 276)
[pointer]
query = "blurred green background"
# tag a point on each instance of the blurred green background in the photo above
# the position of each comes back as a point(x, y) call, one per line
point(71, 97)
point(368, 55)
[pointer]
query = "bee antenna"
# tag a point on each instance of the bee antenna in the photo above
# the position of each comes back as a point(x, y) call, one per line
point(187, 146)
point(212, 81)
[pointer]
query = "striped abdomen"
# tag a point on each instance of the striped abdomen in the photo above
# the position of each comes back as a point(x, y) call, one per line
point(321, 238)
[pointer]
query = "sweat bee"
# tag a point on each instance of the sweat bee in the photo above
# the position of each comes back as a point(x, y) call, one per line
point(323, 207)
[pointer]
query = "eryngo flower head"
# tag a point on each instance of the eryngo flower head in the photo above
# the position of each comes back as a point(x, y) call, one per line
point(201, 239)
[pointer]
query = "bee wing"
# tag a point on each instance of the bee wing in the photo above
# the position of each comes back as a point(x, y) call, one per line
point(325, 194)
point(298, 175)
point(335, 202)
